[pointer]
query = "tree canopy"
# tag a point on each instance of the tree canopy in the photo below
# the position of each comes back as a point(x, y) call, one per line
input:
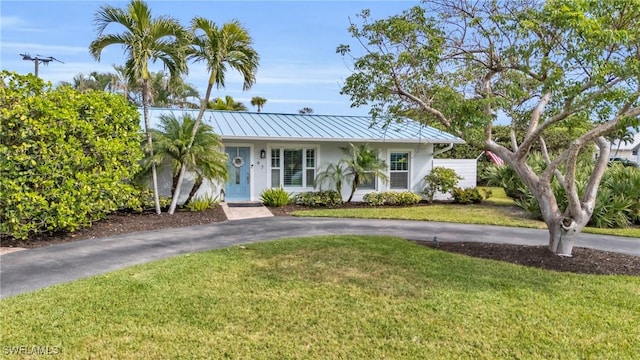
point(538, 66)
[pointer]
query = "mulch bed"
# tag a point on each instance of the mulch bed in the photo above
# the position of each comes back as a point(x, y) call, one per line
point(584, 260)
point(124, 223)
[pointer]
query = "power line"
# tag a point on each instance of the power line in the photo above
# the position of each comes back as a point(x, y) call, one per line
point(39, 59)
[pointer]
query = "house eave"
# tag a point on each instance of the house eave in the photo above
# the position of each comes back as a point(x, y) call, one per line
point(340, 140)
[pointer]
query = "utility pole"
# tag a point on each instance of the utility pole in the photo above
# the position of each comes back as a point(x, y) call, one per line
point(39, 59)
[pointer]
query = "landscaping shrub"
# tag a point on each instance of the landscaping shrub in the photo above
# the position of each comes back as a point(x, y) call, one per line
point(319, 198)
point(487, 193)
point(440, 179)
point(373, 199)
point(408, 198)
point(391, 198)
point(466, 196)
point(202, 203)
point(617, 203)
point(67, 156)
point(618, 200)
point(145, 200)
point(275, 197)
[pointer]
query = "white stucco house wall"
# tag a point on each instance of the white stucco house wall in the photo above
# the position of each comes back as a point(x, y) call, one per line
point(627, 149)
point(271, 150)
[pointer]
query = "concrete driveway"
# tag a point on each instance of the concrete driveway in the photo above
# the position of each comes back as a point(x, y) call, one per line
point(33, 269)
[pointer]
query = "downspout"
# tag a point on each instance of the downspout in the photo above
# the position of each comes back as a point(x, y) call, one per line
point(449, 147)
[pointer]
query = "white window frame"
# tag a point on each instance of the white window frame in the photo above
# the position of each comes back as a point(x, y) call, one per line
point(409, 167)
point(367, 189)
point(305, 148)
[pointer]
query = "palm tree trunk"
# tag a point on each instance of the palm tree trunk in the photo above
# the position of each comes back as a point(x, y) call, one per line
point(196, 125)
point(194, 189)
point(354, 186)
point(154, 172)
point(174, 183)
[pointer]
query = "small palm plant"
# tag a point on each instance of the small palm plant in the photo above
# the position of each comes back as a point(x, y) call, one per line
point(362, 164)
point(333, 174)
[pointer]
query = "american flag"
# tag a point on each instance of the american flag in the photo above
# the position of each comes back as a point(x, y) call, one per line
point(495, 158)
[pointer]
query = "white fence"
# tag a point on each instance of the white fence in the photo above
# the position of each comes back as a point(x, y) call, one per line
point(465, 168)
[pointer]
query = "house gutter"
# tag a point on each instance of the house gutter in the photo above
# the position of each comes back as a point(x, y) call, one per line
point(449, 147)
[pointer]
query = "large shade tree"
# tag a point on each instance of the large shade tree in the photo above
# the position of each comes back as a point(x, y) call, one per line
point(538, 65)
point(219, 48)
point(145, 39)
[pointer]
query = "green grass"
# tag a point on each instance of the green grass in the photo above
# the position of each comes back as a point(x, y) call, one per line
point(331, 297)
point(497, 210)
point(463, 214)
point(498, 196)
point(629, 232)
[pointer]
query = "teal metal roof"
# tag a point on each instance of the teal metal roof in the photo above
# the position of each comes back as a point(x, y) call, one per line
point(238, 125)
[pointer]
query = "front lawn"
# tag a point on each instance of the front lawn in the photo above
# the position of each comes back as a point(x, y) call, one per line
point(462, 214)
point(485, 214)
point(330, 297)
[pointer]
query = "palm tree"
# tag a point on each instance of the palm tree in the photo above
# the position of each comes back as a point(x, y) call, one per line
point(180, 92)
point(204, 157)
point(228, 104)
point(362, 165)
point(333, 174)
point(83, 83)
point(145, 39)
point(258, 101)
point(219, 48)
point(120, 82)
point(159, 93)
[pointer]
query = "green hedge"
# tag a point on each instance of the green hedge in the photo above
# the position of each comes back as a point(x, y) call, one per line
point(66, 156)
point(391, 198)
point(319, 198)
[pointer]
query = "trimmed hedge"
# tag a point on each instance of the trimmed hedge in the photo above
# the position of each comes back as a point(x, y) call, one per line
point(66, 156)
point(319, 198)
point(391, 198)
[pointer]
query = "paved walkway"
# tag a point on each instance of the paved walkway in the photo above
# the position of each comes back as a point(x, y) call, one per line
point(33, 269)
point(254, 210)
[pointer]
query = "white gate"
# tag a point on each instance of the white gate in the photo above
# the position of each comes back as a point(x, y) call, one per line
point(465, 168)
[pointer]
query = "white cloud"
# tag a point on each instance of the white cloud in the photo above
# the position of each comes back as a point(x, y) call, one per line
point(34, 48)
point(299, 101)
point(11, 21)
point(17, 24)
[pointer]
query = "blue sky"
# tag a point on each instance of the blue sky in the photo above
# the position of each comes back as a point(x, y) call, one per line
point(296, 41)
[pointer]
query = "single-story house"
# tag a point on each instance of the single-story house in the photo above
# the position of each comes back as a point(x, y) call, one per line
point(269, 150)
point(626, 149)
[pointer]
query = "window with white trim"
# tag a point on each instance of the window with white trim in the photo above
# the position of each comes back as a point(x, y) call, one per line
point(275, 168)
point(399, 170)
point(367, 184)
point(293, 167)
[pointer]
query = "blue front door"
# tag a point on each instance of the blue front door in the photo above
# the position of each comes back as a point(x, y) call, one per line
point(238, 187)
